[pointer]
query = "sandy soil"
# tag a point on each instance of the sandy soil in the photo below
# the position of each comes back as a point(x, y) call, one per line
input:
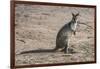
point(36, 28)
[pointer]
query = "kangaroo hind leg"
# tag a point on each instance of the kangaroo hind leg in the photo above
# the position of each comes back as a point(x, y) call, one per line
point(66, 48)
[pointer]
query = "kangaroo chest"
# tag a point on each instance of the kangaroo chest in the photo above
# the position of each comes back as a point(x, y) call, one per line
point(73, 26)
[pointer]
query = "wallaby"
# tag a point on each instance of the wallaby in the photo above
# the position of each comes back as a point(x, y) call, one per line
point(64, 34)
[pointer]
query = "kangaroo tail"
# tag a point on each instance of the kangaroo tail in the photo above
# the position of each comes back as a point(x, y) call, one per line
point(55, 49)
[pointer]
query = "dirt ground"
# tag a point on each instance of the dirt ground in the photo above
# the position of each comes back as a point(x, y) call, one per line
point(36, 27)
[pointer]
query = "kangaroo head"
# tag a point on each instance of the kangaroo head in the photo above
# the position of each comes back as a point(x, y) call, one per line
point(74, 21)
point(74, 18)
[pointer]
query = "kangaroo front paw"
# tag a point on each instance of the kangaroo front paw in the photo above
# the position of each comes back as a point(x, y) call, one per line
point(74, 32)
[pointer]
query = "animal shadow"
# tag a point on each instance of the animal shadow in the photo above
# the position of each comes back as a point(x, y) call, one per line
point(71, 51)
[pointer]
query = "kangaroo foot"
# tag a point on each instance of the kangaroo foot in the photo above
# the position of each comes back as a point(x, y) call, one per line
point(66, 51)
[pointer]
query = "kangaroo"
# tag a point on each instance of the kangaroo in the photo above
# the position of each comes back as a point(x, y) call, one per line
point(64, 34)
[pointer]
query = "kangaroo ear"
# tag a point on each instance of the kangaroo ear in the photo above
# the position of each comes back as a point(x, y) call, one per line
point(72, 14)
point(77, 14)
